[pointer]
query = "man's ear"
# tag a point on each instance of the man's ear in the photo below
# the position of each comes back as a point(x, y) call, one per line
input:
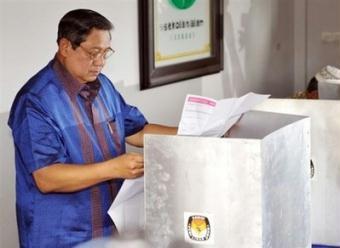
point(64, 47)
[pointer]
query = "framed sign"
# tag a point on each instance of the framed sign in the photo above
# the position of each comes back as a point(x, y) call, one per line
point(179, 39)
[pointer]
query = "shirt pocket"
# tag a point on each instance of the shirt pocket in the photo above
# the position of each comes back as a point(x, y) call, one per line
point(115, 135)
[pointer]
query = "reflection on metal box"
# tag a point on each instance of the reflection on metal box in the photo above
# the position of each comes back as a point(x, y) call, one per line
point(249, 190)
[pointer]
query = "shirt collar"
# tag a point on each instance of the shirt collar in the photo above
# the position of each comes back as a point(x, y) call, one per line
point(71, 85)
point(90, 90)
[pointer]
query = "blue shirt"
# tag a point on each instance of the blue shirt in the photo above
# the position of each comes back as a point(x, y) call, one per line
point(50, 125)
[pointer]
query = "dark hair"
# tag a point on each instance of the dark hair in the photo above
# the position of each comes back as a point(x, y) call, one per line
point(77, 24)
point(312, 85)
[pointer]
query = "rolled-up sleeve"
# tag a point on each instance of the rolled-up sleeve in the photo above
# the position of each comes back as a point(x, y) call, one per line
point(134, 120)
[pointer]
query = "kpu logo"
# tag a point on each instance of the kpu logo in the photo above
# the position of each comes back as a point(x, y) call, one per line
point(198, 228)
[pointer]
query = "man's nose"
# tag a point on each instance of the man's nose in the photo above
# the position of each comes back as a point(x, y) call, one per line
point(99, 61)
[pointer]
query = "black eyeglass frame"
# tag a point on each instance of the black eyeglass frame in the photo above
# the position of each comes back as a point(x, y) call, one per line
point(96, 55)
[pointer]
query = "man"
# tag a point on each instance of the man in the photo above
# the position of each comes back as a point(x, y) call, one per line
point(312, 89)
point(70, 126)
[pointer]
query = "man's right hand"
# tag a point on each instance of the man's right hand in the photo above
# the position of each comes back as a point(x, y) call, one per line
point(128, 165)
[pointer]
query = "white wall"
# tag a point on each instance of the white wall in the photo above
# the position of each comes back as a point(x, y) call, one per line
point(8, 231)
point(259, 47)
point(313, 18)
point(322, 17)
point(259, 54)
point(300, 44)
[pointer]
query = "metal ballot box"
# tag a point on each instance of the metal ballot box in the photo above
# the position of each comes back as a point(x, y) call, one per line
point(251, 189)
point(325, 143)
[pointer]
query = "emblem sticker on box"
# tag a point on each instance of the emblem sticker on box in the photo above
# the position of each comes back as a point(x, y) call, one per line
point(199, 228)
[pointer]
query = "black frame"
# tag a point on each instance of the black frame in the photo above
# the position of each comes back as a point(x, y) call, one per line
point(152, 77)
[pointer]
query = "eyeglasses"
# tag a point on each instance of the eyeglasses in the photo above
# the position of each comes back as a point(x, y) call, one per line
point(98, 54)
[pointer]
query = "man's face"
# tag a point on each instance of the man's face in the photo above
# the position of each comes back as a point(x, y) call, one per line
point(86, 61)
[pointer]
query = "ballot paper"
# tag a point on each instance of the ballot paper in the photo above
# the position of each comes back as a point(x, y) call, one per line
point(203, 116)
point(127, 210)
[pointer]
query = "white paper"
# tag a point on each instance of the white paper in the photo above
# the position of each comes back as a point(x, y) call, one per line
point(203, 116)
point(127, 210)
point(196, 113)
